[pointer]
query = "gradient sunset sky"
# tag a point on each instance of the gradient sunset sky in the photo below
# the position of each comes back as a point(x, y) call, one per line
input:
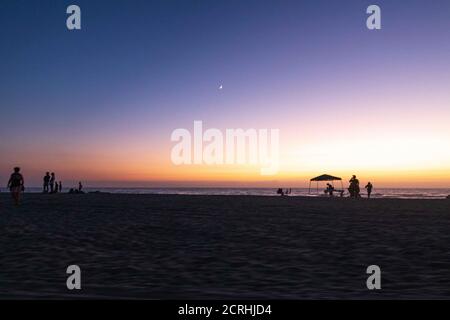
point(100, 104)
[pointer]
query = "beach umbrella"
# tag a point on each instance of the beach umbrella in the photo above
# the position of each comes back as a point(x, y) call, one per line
point(324, 177)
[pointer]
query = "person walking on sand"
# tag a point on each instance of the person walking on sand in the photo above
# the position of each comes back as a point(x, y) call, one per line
point(52, 183)
point(16, 185)
point(46, 182)
point(369, 188)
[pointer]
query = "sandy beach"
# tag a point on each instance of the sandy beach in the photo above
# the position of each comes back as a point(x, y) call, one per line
point(223, 247)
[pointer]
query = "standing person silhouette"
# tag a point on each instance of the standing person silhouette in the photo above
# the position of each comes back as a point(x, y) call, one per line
point(80, 187)
point(52, 183)
point(16, 185)
point(369, 188)
point(354, 187)
point(46, 182)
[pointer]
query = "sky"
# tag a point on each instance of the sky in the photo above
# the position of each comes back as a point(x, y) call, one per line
point(100, 104)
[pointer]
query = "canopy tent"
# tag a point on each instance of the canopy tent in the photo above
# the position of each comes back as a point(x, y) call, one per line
point(324, 177)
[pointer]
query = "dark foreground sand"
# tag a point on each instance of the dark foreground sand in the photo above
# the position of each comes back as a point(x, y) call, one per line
point(188, 247)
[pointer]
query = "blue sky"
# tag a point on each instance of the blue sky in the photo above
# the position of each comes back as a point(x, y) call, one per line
point(139, 69)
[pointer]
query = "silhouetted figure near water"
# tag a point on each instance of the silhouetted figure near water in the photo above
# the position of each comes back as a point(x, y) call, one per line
point(46, 182)
point(16, 185)
point(354, 187)
point(77, 191)
point(369, 188)
point(281, 192)
point(329, 189)
point(52, 183)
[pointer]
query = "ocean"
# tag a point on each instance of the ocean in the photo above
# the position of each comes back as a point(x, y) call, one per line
point(398, 193)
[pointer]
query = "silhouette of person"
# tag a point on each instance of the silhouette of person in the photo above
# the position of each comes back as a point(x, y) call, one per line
point(369, 188)
point(52, 183)
point(329, 189)
point(354, 187)
point(16, 185)
point(46, 182)
point(357, 190)
point(60, 187)
point(280, 192)
point(80, 187)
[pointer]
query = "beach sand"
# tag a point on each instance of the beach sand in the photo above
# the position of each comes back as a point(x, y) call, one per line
point(223, 247)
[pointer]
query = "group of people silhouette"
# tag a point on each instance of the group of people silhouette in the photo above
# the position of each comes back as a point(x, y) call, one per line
point(354, 189)
point(79, 190)
point(50, 184)
point(16, 185)
point(283, 193)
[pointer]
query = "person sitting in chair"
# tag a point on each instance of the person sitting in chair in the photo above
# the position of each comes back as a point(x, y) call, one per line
point(329, 189)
